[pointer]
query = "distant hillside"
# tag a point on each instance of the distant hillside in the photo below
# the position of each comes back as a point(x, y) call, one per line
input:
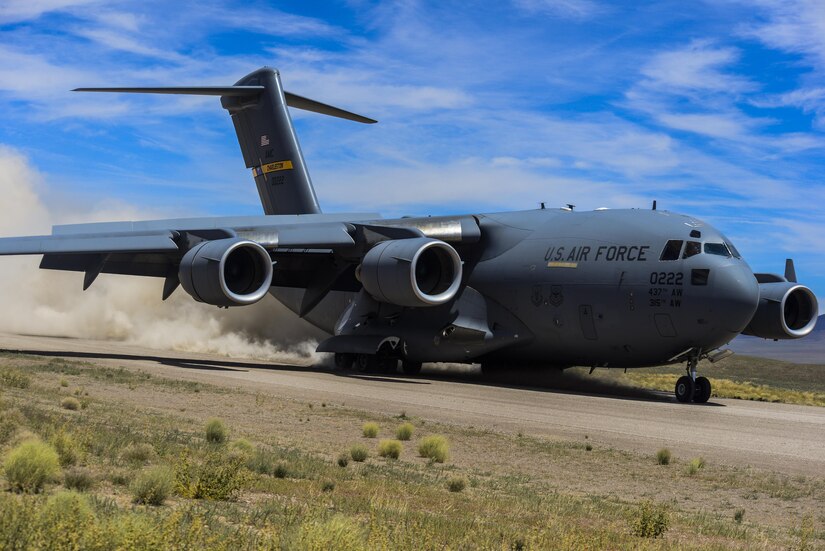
point(810, 350)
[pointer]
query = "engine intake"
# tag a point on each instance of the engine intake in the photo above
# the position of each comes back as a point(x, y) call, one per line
point(786, 311)
point(226, 272)
point(411, 272)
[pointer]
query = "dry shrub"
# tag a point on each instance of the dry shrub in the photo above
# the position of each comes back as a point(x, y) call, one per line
point(216, 432)
point(456, 483)
point(30, 465)
point(70, 403)
point(663, 456)
point(67, 449)
point(359, 453)
point(404, 431)
point(370, 430)
point(138, 452)
point(152, 486)
point(339, 533)
point(390, 449)
point(696, 464)
point(434, 447)
point(79, 479)
point(215, 476)
point(650, 520)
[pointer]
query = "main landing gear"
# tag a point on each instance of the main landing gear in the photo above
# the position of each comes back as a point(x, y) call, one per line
point(374, 363)
point(690, 388)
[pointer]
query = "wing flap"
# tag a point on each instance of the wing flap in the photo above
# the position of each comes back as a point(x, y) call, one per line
point(77, 244)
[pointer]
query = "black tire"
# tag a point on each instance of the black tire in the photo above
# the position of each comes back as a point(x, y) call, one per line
point(343, 362)
point(388, 365)
point(685, 389)
point(411, 368)
point(703, 389)
point(366, 363)
point(491, 370)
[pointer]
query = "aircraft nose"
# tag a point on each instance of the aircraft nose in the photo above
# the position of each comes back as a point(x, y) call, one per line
point(737, 295)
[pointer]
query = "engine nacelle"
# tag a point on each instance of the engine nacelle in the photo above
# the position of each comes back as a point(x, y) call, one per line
point(786, 310)
point(226, 272)
point(411, 272)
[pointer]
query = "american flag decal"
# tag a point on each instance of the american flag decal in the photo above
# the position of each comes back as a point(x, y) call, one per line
point(264, 141)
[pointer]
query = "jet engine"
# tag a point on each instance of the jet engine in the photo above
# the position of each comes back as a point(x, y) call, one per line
point(411, 272)
point(226, 272)
point(786, 310)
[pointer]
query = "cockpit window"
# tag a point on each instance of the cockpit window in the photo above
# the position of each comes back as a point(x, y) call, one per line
point(692, 248)
point(718, 249)
point(671, 250)
point(732, 249)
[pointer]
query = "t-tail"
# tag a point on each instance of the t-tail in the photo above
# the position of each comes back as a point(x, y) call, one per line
point(258, 106)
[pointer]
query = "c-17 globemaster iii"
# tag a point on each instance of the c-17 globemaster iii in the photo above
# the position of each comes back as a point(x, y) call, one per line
point(545, 287)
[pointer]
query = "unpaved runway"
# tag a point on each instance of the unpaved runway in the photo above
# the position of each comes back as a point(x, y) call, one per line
point(780, 437)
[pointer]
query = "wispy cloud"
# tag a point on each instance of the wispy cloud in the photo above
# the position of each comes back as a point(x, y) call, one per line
point(25, 10)
point(494, 107)
point(576, 9)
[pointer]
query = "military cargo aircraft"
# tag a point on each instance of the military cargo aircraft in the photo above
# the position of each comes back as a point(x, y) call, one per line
point(546, 287)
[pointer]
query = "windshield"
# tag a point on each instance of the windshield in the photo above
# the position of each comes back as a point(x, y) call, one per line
point(718, 249)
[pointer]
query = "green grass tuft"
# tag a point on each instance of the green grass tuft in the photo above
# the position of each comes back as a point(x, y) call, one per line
point(456, 484)
point(650, 520)
point(67, 449)
point(404, 431)
point(215, 476)
point(244, 447)
point(70, 403)
point(663, 456)
point(359, 453)
point(152, 486)
point(343, 460)
point(216, 432)
point(30, 465)
point(339, 533)
point(280, 471)
point(138, 452)
point(434, 447)
point(79, 479)
point(14, 378)
point(389, 448)
point(696, 464)
point(370, 430)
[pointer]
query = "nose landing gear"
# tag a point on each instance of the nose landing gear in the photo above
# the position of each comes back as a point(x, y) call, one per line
point(690, 388)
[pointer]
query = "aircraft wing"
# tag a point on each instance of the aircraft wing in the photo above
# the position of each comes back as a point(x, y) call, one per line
point(300, 246)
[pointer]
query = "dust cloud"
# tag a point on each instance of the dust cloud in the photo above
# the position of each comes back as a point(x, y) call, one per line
point(124, 308)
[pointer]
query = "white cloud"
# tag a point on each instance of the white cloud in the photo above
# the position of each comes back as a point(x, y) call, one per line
point(792, 25)
point(700, 66)
point(575, 9)
point(24, 10)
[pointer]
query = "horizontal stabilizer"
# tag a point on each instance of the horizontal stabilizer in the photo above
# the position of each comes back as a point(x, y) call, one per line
point(293, 100)
point(186, 90)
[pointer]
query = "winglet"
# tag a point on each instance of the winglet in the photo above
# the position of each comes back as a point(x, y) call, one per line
point(790, 271)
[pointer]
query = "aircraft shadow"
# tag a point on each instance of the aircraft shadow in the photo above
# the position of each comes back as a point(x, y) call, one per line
point(554, 381)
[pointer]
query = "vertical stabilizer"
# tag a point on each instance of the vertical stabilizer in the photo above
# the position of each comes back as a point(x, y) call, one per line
point(270, 147)
point(258, 106)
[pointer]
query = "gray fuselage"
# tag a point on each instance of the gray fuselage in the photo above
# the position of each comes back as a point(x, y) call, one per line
point(567, 288)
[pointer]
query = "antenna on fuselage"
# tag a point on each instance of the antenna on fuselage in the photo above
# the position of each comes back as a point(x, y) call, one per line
point(654, 204)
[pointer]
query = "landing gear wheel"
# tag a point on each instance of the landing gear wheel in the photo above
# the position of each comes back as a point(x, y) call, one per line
point(702, 392)
point(366, 363)
point(411, 368)
point(343, 362)
point(388, 365)
point(685, 389)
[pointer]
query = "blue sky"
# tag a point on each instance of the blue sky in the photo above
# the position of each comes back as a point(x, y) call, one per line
point(715, 109)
